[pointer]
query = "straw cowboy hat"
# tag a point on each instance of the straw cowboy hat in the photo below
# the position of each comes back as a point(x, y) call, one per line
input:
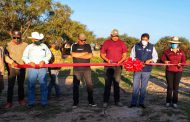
point(175, 40)
point(36, 35)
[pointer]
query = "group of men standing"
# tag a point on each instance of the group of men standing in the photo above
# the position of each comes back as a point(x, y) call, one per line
point(113, 50)
point(18, 52)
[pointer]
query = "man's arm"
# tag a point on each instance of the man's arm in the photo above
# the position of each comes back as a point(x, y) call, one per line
point(124, 57)
point(25, 56)
point(133, 54)
point(84, 55)
point(48, 56)
point(78, 55)
point(103, 56)
point(154, 57)
point(8, 59)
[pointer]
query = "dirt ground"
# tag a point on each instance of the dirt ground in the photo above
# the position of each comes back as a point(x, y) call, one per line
point(60, 110)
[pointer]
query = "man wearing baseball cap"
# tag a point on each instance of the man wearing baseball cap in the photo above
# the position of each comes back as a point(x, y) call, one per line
point(113, 50)
point(37, 53)
point(13, 57)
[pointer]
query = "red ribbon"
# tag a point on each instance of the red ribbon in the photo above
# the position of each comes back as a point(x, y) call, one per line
point(129, 65)
point(68, 65)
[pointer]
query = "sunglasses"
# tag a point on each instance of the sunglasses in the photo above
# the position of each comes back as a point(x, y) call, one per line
point(16, 38)
point(83, 40)
point(114, 36)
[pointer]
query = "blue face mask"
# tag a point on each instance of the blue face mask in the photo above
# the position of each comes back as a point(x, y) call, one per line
point(174, 46)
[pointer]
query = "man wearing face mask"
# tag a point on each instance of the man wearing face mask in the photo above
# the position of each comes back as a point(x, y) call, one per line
point(113, 50)
point(173, 55)
point(13, 57)
point(146, 52)
point(37, 53)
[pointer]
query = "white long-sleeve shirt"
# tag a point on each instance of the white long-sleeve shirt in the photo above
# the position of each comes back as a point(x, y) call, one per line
point(36, 53)
point(154, 54)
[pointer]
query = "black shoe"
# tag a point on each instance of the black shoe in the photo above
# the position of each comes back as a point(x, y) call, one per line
point(132, 106)
point(142, 106)
point(31, 106)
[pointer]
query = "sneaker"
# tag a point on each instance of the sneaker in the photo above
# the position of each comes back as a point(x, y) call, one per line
point(8, 105)
point(22, 102)
point(75, 105)
point(105, 105)
point(175, 105)
point(92, 104)
point(142, 106)
point(132, 105)
point(167, 104)
point(119, 104)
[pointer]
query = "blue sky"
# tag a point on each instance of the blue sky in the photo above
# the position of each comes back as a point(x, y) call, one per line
point(157, 17)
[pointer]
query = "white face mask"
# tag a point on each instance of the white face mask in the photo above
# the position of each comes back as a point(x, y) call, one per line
point(144, 43)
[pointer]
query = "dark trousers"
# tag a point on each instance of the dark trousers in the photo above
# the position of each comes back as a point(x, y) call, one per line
point(173, 79)
point(1, 83)
point(14, 74)
point(76, 83)
point(113, 75)
point(54, 82)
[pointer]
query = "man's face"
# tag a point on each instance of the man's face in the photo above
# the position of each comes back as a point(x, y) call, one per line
point(17, 39)
point(35, 40)
point(82, 39)
point(53, 46)
point(81, 42)
point(145, 39)
point(115, 38)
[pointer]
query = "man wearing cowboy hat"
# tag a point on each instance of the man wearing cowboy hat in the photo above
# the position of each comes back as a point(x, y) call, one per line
point(13, 57)
point(37, 53)
point(173, 55)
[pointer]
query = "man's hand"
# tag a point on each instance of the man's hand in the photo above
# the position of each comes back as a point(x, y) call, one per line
point(179, 65)
point(149, 61)
point(166, 62)
point(41, 63)
point(32, 64)
point(119, 62)
point(78, 55)
point(14, 64)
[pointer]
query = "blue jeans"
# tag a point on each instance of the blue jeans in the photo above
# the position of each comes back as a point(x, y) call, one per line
point(33, 75)
point(140, 82)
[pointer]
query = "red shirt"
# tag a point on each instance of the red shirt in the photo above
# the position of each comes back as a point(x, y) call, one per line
point(114, 50)
point(174, 58)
